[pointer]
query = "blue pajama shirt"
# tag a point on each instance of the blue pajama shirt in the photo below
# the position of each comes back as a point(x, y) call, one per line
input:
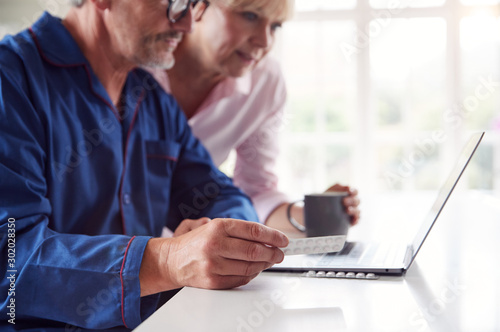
point(85, 187)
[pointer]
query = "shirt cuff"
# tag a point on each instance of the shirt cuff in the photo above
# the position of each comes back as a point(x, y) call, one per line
point(131, 286)
point(267, 202)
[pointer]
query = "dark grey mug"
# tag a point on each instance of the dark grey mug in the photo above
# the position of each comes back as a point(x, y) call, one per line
point(324, 214)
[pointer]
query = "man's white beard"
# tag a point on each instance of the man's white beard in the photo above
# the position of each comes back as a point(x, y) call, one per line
point(159, 64)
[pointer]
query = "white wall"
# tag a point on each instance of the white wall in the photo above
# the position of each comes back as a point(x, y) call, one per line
point(16, 15)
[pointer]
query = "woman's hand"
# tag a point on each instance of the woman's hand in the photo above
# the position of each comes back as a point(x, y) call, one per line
point(187, 225)
point(351, 202)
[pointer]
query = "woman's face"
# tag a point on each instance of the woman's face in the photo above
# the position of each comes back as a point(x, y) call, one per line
point(234, 40)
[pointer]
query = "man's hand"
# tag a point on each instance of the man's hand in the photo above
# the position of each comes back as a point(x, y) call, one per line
point(351, 202)
point(223, 253)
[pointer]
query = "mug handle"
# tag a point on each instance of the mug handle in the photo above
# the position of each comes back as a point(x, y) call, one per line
point(294, 222)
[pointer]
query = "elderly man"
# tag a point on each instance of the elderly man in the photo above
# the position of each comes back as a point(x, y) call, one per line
point(95, 160)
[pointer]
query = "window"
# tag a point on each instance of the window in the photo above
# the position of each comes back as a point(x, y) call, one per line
point(383, 94)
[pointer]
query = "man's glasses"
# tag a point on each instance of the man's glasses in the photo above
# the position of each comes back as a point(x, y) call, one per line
point(177, 9)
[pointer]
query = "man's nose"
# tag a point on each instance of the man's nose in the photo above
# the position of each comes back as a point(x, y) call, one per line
point(185, 24)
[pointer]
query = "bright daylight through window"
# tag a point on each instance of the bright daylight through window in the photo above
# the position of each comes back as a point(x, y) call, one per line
point(383, 94)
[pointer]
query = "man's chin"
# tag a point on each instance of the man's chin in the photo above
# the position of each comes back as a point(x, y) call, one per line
point(159, 63)
point(166, 65)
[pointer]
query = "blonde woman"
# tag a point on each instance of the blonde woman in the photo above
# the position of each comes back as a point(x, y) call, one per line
point(233, 95)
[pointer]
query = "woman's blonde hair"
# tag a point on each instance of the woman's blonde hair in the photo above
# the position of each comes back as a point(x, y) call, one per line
point(280, 9)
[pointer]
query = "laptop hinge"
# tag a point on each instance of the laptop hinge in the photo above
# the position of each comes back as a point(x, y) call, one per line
point(408, 257)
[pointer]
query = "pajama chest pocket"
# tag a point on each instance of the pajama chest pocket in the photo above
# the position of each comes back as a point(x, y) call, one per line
point(161, 158)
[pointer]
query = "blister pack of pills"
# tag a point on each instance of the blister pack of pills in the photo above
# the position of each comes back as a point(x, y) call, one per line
point(315, 245)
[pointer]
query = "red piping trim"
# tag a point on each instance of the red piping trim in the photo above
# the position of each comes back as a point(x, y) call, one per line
point(115, 112)
point(125, 160)
point(121, 280)
point(157, 156)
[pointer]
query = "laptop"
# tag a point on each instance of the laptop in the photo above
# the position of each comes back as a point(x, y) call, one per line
point(383, 258)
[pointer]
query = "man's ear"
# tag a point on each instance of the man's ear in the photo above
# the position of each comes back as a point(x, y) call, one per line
point(102, 4)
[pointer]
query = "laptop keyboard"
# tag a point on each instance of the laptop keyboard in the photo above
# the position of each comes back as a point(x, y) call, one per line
point(349, 254)
point(358, 254)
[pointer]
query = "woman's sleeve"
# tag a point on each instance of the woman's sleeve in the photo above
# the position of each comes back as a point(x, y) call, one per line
point(256, 157)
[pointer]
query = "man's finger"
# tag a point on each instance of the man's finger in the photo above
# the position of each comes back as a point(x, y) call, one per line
point(232, 267)
point(254, 232)
point(251, 251)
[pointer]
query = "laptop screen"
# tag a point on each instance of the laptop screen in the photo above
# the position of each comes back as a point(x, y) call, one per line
point(445, 192)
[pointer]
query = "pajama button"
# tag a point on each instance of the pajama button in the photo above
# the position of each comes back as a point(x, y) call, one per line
point(126, 199)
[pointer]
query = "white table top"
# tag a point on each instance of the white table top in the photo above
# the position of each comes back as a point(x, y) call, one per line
point(454, 285)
